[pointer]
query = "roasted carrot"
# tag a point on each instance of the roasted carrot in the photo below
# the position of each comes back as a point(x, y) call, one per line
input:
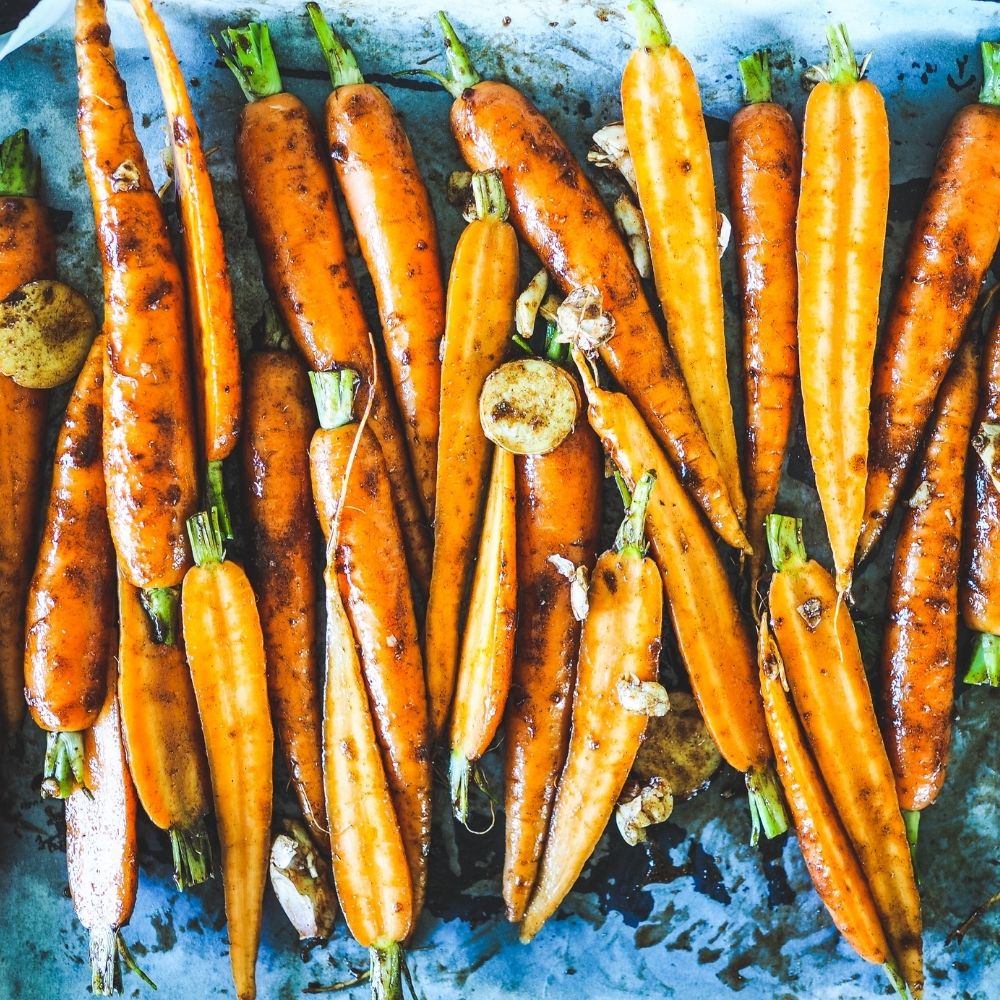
point(71, 599)
point(487, 656)
point(764, 166)
point(711, 634)
point(840, 236)
point(26, 253)
point(558, 515)
point(147, 393)
point(952, 243)
point(394, 223)
point(825, 847)
point(278, 426)
point(482, 290)
point(826, 677)
point(213, 322)
point(225, 652)
point(921, 640)
point(375, 589)
point(619, 660)
point(101, 845)
point(163, 740)
point(562, 218)
point(289, 197)
point(668, 142)
point(980, 590)
point(371, 865)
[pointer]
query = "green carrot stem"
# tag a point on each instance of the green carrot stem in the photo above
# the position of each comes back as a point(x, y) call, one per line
point(650, 31)
point(192, 853)
point(269, 333)
point(523, 344)
point(895, 979)
point(334, 394)
point(215, 499)
point(488, 196)
point(767, 804)
point(161, 604)
point(386, 971)
point(207, 546)
point(755, 72)
point(340, 60)
point(461, 73)
point(911, 820)
point(623, 491)
point(247, 52)
point(784, 540)
point(107, 953)
point(459, 771)
point(842, 67)
point(555, 350)
point(990, 92)
point(20, 168)
point(64, 765)
point(631, 538)
point(984, 668)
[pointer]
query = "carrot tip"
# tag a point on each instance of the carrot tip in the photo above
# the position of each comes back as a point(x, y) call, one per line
point(984, 668)
point(215, 500)
point(192, 853)
point(20, 168)
point(387, 968)
point(107, 953)
point(767, 804)
point(64, 770)
point(161, 603)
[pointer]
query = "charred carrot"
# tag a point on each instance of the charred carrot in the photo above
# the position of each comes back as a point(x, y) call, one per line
point(163, 740)
point(71, 600)
point(826, 677)
point(980, 590)
point(482, 290)
point(921, 639)
point(278, 426)
point(825, 847)
point(289, 197)
point(562, 218)
point(952, 243)
point(487, 656)
point(101, 845)
point(371, 569)
point(558, 518)
point(213, 322)
point(371, 866)
point(668, 141)
point(26, 253)
point(619, 661)
point(225, 652)
point(764, 166)
point(840, 236)
point(393, 220)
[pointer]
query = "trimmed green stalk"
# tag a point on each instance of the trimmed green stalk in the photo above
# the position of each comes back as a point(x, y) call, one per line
point(247, 52)
point(107, 953)
point(269, 333)
point(990, 92)
point(784, 541)
point(215, 497)
point(64, 766)
point(386, 971)
point(20, 168)
point(461, 73)
point(161, 604)
point(911, 820)
point(895, 979)
point(207, 546)
point(459, 771)
point(984, 667)
point(755, 73)
point(334, 394)
point(631, 537)
point(842, 67)
point(340, 60)
point(192, 852)
point(488, 196)
point(650, 31)
point(555, 350)
point(767, 804)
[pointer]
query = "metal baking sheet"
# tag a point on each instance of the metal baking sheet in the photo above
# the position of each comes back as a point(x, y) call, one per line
point(699, 913)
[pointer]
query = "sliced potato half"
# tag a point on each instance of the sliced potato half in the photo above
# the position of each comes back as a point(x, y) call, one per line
point(46, 329)
point(528, 406)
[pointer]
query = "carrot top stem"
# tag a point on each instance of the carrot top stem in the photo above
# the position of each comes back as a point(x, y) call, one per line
point(161, 604)
point(207, 546)
point(895, 979)
point(63, 772)
point(555, 349)
point(631, 537)
point(340, 60)
point(488, 197)
point(623, 491)
point(20, 168)
point(911, 820)
point(269, 333)
point(247, 52)
point(215, 499)
point(107, 953)
point(386, 971)
point(461, 73)
point(459, 771)
point(192, 852)
point(990, 93)
point(650, 31)
point(767, 804)
point(842, 67)
point(984, 668)
point(784, 541)
point(334, 394)
point(755, 72)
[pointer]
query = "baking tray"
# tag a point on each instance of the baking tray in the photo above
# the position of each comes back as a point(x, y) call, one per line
point(698, 913)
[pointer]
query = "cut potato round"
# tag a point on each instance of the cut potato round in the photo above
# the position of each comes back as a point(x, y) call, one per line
point(46, 329)
point(529, 406)
point(678, 748)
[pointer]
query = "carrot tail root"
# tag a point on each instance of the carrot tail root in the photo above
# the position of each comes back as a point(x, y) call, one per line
point(192, 852)
point(215, 499)
point(386, 971)
point(107, 953)
point(767, 804)
point(985, 665)
point(161, 604)
point(63, 765)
